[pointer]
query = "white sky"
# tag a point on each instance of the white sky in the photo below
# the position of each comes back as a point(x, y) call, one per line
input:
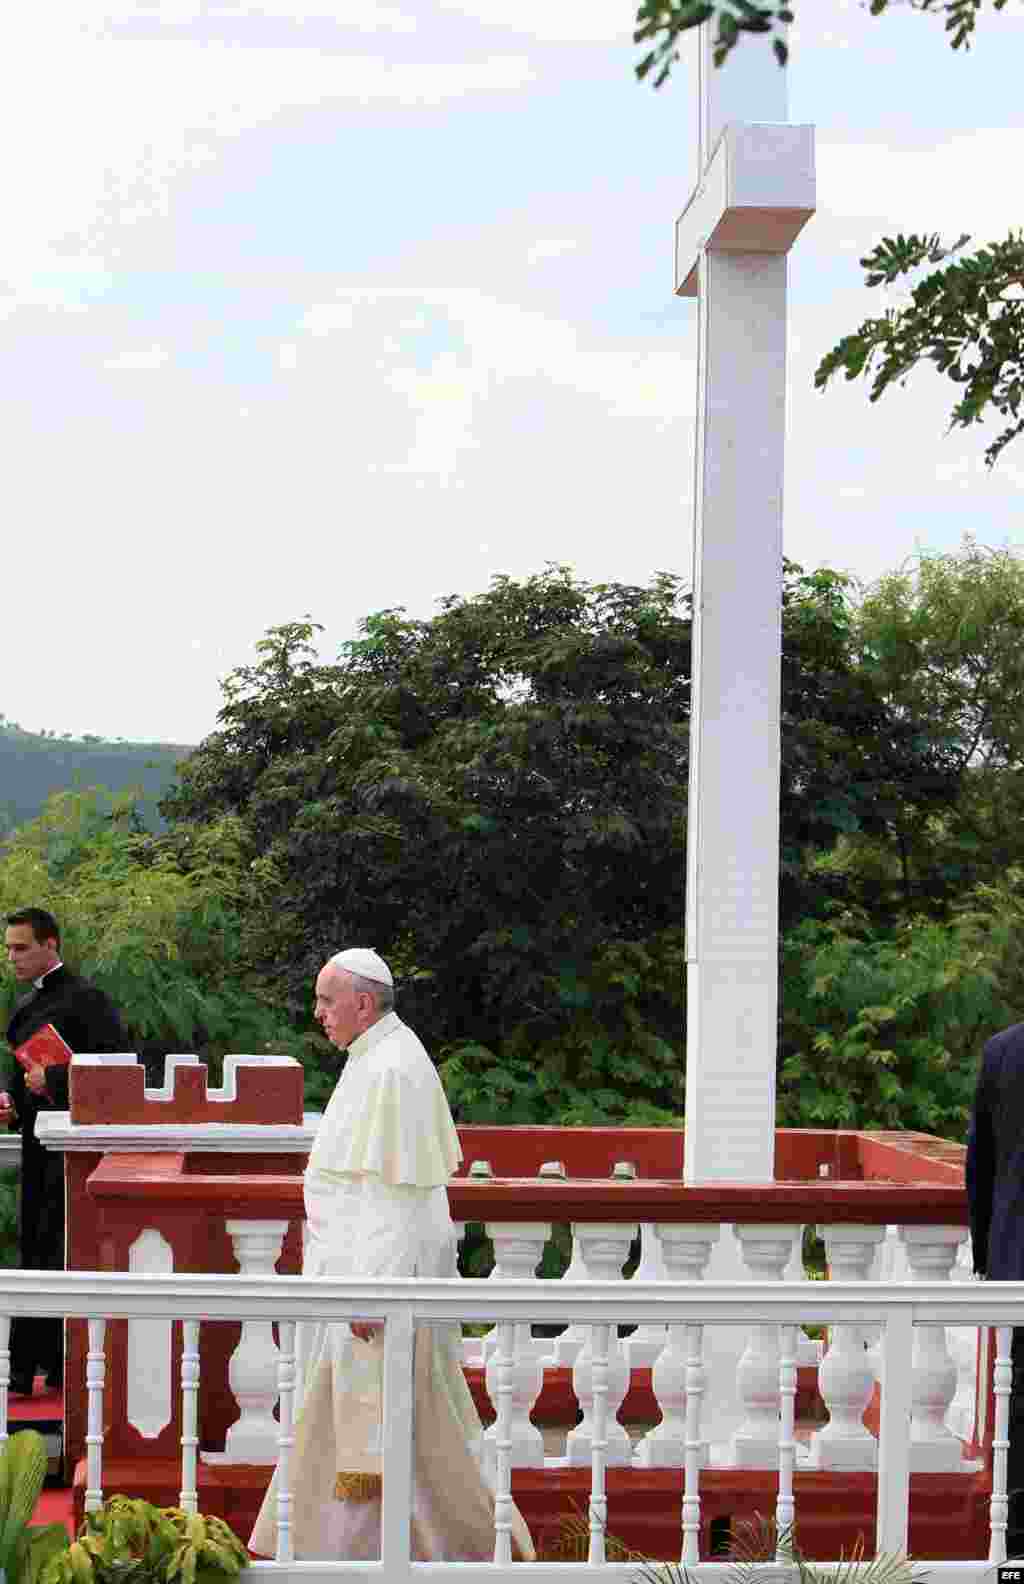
point(321, 306)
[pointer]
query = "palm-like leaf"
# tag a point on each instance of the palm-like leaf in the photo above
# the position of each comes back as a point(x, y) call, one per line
point(24, 1458)
point(760, 1553)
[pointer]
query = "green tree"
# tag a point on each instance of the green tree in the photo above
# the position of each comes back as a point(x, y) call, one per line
point(165, 944)
point(942, 641)
point(496, 799)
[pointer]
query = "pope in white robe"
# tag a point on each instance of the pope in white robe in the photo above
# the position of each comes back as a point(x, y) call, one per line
point(377, 1205)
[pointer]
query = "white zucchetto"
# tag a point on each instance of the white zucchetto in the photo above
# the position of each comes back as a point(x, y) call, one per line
point(364, 962)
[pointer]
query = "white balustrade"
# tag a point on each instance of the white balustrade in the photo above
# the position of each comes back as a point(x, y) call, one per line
point(963, 1345)
point(188, 1500)
point(504, 1388)
point(785, 1505)
point(95, 1379)
point(1002, 1378)
point(678, 1377)
point(252, 1372)
point(599, 1350)
point(5, 1372)
point(285, 1439)
point(931, 1252)
point(846, 1377)
point(518, 1247)
point(605, 1251)
point(648, 1341)
point(694, 1306)
point(766, 1253)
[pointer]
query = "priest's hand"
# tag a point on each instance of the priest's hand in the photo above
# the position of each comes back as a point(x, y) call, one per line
point(366, 1330)
point(36, 1080)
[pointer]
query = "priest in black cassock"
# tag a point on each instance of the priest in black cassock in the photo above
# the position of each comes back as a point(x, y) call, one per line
point(88, 1021)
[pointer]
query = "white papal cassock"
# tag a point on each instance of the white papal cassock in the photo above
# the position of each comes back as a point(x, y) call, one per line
point(377, 1205)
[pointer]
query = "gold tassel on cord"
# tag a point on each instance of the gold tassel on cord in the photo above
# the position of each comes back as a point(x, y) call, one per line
point(356, 1485)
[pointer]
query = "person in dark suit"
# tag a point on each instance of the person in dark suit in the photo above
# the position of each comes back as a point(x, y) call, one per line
point(88, 1021)
point(995, 1195)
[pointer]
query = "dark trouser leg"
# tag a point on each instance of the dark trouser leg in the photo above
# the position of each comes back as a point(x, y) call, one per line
point(1015, 1456)
point(38, 1344)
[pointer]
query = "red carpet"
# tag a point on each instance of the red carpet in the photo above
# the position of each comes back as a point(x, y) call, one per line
point(43, 1404)
point(54, 1506)
point(44, 1411)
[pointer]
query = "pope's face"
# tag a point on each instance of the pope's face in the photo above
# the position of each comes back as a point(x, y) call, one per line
point(342, 1011)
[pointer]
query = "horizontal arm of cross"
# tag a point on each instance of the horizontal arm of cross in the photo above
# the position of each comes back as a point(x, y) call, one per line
point(757, 194)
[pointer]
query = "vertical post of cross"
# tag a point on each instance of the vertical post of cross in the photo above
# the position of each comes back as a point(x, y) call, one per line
point(755, 191)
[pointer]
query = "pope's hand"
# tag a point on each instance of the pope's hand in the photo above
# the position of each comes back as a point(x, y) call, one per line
point(36, 1080)
point(6, 1106)
point(366, 1330)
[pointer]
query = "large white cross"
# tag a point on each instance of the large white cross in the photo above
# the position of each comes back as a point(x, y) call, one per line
point(754, 193)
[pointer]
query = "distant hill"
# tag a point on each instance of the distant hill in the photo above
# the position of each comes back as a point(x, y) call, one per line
point(34, 764)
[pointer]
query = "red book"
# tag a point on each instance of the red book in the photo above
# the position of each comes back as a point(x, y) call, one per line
point(45, 1048)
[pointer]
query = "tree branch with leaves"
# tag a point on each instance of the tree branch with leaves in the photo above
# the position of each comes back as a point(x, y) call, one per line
point(662, 23)
point(966, 319)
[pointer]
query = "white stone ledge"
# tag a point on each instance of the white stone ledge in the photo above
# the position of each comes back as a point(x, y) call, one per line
point(55, 1131)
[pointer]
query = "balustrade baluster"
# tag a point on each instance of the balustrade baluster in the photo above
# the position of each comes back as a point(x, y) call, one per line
point(503, 1387)
point(5, 1372)
point(599, 1348)
point(286, 1438)
point(1002, 1376)
point(696, 1449)
point(565, 1349)
point(767, 1251)
point(477, 1350)
point(398, 1428)
point(785, 1509)
point(188, 1500)
point(931, 1252)
point(846, 1377)
point(95, 1377)
point(648, 1341)
point(518, 1247)
point(252, 1372)
point(685, 1252)
point(605, 1251)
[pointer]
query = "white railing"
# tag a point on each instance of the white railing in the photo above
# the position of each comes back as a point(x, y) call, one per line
point(907, 1315)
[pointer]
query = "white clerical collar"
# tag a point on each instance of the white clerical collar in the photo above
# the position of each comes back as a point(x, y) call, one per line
point(39, 982)
point(377, 1031)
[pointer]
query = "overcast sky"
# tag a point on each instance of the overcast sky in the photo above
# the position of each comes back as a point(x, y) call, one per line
point(321, 306)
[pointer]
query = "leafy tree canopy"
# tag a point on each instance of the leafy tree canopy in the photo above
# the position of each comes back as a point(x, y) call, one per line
point(496, 799)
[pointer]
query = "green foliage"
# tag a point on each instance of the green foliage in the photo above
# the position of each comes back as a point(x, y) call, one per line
point(8, 1218)
point(25, 1550)
point(166, 945)
point(495, 799)
point(129, 1541)
point(966, 319)
point(883, 1030)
